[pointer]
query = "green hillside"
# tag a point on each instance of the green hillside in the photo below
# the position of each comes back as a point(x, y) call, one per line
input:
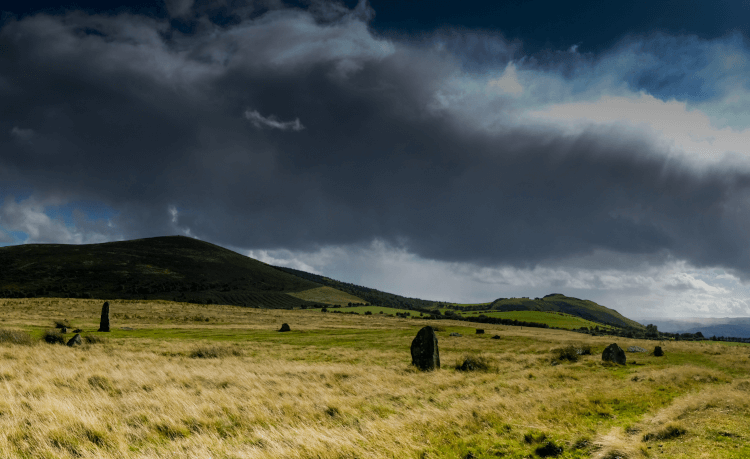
point(170, 268)
point(584, 309)
point(552, 319)
point(560, 303)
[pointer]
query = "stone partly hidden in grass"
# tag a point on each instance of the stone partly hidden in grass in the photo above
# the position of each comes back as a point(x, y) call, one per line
point(104, 322)
point(658, 352)
point(480, 331)
point(455, 334)
point(285, 328)
point(614, 353)
point(636, 349)
point(424, 350)
point(75, 341)
point(496, 337)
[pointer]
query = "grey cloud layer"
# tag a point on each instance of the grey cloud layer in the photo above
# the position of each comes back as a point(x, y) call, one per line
point(125, 113)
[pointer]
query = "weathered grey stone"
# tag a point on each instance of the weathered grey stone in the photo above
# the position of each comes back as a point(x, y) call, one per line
point(424, 350)
point(636, 349)
point(285, 328)
point(658, 352)
point(614, 353)
point(104, 322)
point(455, 334)
point(75, 340)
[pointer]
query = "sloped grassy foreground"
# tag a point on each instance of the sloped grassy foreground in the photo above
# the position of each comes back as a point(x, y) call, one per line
point(340, 386)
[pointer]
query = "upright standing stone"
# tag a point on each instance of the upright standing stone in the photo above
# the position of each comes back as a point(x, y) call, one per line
point(424, 350)
point(104, 323)
point(658, 352)
point(614, 353)
point(285, 328)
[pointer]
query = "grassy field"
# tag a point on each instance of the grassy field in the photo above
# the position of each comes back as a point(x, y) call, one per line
point(553, 319)
point(327, 295)
point(189, 381)
point(374, 310)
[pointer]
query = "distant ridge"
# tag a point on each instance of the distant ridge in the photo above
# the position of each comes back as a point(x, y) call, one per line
point(557, 302)
point(554, 302)
point(173, 268)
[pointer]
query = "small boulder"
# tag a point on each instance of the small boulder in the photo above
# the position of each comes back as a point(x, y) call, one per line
point(658, 352)
point(480, 331)
point(455, 334)
point(424, 350)
point(636, 349)
point(77, 330)
point(63, 330)
point(75, 340)
point(496, 337)
point(614, 353)
point(285, 328)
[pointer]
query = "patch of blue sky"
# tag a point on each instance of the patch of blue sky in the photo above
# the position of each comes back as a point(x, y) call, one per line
point(92, 210)
point(8, 238)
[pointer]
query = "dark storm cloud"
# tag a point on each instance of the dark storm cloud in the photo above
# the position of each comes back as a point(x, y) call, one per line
point(299, 130)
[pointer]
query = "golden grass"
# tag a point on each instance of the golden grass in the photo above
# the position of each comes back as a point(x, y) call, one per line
point(263, 395)
point(327, 295)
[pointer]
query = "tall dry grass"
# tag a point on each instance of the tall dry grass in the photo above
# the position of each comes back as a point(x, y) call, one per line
point(256, 398)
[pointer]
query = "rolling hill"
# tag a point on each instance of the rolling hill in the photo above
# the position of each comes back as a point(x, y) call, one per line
point(555, 302)
point(179, 268)
point(174, 268)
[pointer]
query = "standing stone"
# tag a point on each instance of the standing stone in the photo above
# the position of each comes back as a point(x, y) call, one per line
point(658, 352)
point(75, 341)
point(104, 323)
point(285, 328)
point(424, 350)
point(63, 330)
point(614, 353)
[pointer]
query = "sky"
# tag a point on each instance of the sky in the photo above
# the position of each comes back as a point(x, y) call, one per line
point(453, 151)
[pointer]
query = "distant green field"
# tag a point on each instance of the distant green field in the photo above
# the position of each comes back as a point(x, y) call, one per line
point(553, 319)
point(372, 309)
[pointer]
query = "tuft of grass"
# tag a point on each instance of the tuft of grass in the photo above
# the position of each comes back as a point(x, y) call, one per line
point(62, 324)
point(15, 337)
point(570, 353)
point(474, 363)
point(94, 339)
point(213, 352)
point(549, 449)
point(53, 337)
point(668, 432)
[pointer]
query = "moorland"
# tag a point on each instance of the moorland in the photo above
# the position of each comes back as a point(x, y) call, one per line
point(177, 379)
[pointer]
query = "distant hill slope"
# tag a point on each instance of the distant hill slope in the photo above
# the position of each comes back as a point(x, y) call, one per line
point(370, 295)
point(172, 268)
point(554, 302)
point(560, 303)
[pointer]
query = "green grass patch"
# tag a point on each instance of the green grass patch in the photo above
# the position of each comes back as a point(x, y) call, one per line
point(327, 295)
point(553, 319)
point(372, 310)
